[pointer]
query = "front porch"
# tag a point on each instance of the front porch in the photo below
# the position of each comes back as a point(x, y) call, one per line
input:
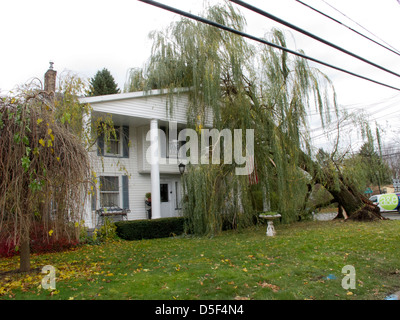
point(147, 162)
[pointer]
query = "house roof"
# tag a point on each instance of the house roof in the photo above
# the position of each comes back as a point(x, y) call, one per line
point(130, 95)
point(142, 106)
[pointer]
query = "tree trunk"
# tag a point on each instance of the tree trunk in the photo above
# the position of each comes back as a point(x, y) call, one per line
point(25, 263)
point(355, 204)
point(25, 252)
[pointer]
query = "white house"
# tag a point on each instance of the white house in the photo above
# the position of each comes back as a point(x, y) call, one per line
point(130, 165)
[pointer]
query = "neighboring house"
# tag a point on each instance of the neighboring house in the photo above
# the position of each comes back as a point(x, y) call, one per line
point(126, 167)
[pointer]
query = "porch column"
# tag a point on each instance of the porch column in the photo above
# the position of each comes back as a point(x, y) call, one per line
point(155, 170)
point(88, 208)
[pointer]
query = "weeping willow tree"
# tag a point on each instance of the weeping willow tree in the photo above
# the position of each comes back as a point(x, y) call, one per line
point(346, 175)
point(242, 86)
point(44, 170)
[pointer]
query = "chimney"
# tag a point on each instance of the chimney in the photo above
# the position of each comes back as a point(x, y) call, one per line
point(50, 80)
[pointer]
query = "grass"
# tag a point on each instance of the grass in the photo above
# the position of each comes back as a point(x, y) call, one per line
point(234, 265)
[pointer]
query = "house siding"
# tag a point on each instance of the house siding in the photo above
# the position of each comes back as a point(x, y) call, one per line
point(136, 110)
point(138, 184)
point(147, 107)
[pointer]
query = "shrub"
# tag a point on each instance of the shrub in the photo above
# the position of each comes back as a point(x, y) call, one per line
point(107, 231)
point(40, 242)
point(150, 229)
point(7, 248)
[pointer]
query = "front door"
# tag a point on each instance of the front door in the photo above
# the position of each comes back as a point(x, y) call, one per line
point(166, 199)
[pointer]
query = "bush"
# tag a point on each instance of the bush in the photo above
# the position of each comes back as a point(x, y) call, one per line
point(150, 229)
point(107, 231)
point(40, 242)
point(7, 248)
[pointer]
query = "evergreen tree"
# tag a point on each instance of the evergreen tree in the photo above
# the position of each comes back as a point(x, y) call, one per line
point(378, 172)
point(103, 83)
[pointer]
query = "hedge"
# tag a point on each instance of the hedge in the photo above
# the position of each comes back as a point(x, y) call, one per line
point(150, 229)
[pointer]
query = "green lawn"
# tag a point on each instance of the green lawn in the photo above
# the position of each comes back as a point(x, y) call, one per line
point(233, 265)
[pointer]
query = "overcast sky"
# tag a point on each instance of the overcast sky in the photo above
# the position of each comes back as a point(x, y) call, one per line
point(86, 36)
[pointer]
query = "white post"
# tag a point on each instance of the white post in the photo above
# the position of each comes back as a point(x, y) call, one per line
point(88, 214)
point(155, 171)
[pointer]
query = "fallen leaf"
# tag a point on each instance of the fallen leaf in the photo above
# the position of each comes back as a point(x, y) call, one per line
point(242, 298)
point(273, 287)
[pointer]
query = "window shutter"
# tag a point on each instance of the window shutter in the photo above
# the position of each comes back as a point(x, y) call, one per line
point(125, 141)
point(125, 192)
point(94, 199)
point(100, 145)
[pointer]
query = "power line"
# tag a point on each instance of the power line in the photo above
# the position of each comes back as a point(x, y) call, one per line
point(327, 131)
point(332, 130)
point(248, 36)
point(359, 25)
point(365, 107)
point(309, 34)
point(391, 155)
point(388, 114)
point(350, 28)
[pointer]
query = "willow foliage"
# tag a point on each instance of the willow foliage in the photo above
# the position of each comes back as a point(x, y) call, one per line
point(244, 86)
point(43, 173)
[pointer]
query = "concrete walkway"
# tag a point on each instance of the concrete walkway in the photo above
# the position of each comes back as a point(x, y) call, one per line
point(391, 215)
point(330, 215)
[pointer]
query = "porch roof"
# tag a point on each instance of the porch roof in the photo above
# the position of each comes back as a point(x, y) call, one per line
point(130, 95)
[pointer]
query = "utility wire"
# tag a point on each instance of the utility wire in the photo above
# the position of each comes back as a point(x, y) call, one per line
point(366, 108)
point(309, 34)
point(391, 154)
point(359, 25)
point(245, 35)
point(350, 28)
point(327, 131)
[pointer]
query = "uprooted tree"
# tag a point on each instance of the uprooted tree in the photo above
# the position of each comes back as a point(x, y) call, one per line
point(246, 86)
point(44, 170)
point(345, 181)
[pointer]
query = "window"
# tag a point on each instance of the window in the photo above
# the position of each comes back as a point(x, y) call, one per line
point(117, 145)
point(164, 192)
point(109, 192)
point(114, 144)
point(173, 149)
point(177, 196)
point(163, 138)
point(113, 192)
point(169, 145)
